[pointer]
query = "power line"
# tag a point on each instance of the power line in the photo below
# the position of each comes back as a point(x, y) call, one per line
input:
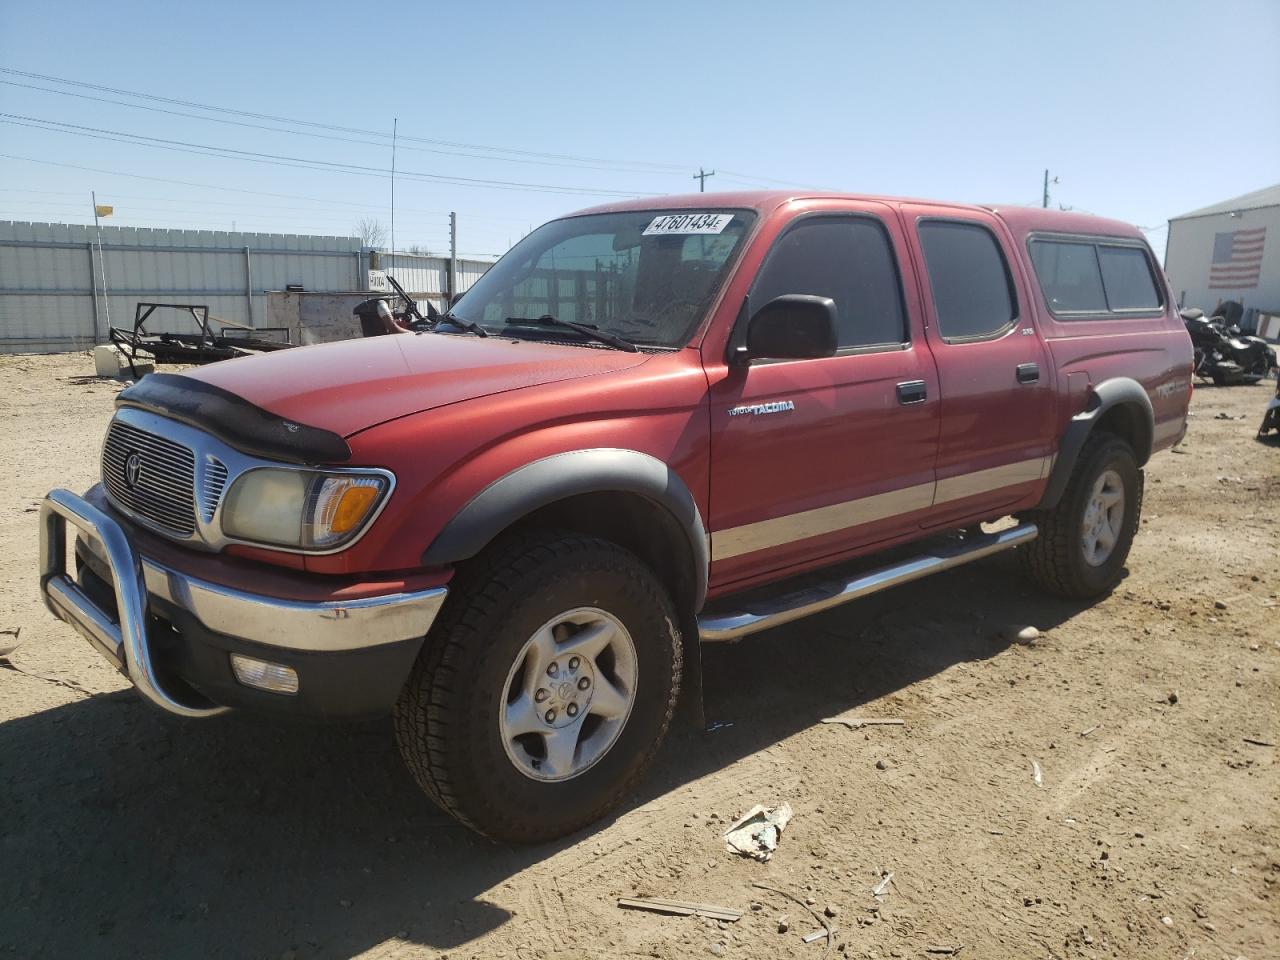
point(235, 204)
point(517, 155)
point(304, 163)
point(619, 168)
point(222, 188)
point(134, 208)
point(328, 126)
point(750, 180)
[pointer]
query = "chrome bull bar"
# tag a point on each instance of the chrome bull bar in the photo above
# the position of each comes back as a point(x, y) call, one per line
point(122, 641)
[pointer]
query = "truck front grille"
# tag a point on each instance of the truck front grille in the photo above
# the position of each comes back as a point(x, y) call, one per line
point(215, 479)
point(160, 487)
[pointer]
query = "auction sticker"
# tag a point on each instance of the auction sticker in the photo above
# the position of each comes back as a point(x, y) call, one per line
point(670, 223)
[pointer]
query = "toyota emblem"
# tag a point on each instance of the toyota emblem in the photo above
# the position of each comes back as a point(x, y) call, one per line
point(132, 470)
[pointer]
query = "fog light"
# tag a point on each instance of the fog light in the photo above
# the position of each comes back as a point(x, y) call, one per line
point(275, 677)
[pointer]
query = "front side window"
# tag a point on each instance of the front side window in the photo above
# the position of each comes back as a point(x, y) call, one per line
point(972, 290)
point(848, 259)
point(646, 276)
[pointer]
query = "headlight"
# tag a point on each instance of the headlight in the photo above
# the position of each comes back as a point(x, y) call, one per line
point(302, 509)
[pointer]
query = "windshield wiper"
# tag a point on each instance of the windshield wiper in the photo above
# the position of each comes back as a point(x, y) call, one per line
point(468, 325)
point(587, 330)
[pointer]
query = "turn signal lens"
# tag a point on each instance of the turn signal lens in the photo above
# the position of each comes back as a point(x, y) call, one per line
point(341, 506)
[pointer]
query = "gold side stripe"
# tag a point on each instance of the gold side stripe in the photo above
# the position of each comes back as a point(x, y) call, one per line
point(982, 481)
point(764, 534)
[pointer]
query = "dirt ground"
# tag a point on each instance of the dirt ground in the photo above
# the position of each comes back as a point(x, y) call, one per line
point(1154, 830)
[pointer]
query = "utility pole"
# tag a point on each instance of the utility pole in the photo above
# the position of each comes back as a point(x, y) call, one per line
point(1047, 181)
point(701, 177)
point(453, 257)
point(394, 123)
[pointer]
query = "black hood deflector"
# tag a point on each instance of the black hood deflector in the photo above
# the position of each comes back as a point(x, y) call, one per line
point(234, 420)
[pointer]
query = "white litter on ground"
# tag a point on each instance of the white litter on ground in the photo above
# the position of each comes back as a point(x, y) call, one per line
point(756, 833)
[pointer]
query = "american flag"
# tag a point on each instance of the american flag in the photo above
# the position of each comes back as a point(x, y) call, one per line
point(1237, 259)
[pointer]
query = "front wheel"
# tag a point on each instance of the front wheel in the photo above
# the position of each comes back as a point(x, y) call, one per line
point(545, 689)
point(1085, 540)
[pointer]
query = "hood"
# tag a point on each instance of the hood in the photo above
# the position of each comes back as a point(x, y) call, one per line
point(350, 386)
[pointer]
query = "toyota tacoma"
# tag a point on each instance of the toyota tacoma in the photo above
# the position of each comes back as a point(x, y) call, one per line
point(650, 425)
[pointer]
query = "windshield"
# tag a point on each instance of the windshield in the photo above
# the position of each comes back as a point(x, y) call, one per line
point(645, 276)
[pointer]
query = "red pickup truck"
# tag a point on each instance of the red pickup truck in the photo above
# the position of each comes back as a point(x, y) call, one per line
point(651, 424)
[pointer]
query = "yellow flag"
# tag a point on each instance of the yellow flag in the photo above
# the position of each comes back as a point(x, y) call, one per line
point(103, 210)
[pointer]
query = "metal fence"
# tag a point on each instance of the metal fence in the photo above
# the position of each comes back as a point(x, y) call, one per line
point(51, 277)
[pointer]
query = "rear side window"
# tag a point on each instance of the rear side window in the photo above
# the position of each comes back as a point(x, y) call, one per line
point(1069, 276)
point(1126, 278)
point(848, 259)
point(1081, 276)
point(972, 290)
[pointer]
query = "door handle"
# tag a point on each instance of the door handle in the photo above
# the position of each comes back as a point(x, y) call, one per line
point(912, 391)
point(1028, 373)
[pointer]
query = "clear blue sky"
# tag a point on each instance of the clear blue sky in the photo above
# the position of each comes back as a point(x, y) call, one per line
point(1143, 110)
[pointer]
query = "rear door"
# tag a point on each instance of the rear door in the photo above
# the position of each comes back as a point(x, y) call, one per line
point(995, 375)
point(812, 458)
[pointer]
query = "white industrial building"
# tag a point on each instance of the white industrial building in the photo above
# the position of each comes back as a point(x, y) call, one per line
point(1229, 251)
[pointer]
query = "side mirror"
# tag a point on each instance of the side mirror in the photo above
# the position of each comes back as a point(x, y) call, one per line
point(796, 326)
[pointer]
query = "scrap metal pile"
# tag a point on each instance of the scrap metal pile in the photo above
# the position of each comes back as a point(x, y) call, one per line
point(206, 345)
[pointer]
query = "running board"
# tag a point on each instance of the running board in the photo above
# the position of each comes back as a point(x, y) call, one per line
point(775, 611)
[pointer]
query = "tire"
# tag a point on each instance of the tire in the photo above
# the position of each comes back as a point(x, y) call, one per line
point(1059, 559)
point(477, 671)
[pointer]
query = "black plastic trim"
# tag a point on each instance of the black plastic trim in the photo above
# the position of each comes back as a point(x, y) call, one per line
point(1103, 397)
point(543, 482)
point(234, 420)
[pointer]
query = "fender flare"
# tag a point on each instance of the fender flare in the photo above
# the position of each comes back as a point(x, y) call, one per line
point(558, 477)
point(1106, 395)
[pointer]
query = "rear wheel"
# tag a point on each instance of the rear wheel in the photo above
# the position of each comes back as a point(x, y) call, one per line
point(545, 689)
point(1085, 540)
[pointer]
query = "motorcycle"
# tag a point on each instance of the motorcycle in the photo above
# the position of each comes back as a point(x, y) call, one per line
point(1271, 419)
point(1223, 354)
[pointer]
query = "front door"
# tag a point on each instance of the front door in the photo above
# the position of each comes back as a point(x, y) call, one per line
point(814, 458)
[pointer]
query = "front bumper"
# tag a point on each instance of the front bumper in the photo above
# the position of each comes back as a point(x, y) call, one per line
point(173, 633)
